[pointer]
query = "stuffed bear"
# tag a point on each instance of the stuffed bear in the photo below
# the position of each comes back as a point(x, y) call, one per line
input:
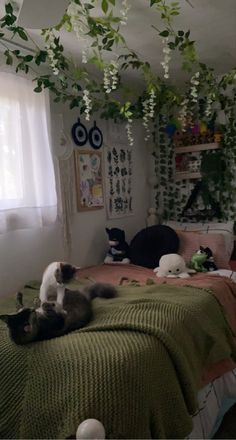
point(119, 249)
point(172, 266)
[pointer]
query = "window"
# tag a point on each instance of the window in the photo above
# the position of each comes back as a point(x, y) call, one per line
point(27, 181)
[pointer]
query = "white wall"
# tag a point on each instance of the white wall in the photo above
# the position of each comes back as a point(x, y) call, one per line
point(24, 254)
point(89, 235)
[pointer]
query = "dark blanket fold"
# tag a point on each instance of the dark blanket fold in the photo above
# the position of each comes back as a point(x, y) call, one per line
point(136, 367)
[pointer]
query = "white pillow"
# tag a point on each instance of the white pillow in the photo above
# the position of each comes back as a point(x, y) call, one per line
point(226, 229)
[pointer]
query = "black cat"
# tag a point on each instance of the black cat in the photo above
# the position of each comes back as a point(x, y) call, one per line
point(52, 319)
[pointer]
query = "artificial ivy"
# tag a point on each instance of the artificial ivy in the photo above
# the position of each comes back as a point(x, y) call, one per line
point(69, 81)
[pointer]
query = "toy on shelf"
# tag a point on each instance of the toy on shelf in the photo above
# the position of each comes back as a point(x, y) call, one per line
point(172, 266)
point(194, 134)
point(217, 137)
point(119, 250)
point(194, 165)
point(181, 162)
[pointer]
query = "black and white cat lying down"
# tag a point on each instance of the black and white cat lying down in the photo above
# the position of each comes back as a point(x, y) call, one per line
point(52, 319)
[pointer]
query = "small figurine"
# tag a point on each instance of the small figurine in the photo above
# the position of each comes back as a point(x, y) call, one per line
point(119, 249)
point(217, 137)
point(178, 139)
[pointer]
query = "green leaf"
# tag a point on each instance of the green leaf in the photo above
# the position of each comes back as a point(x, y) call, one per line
point(41, 57)
point(171, 45)
point(28, 58)
point(104, 6)
point(9, 8)
point(164, 33)
point(22, 34)
point(9, 20)
point(38, 89)
point(9, 59)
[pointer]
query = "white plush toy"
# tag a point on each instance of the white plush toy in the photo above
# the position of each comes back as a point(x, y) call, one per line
point(172, 266)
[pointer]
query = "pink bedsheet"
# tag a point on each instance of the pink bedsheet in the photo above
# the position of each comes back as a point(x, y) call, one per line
point(223, 288)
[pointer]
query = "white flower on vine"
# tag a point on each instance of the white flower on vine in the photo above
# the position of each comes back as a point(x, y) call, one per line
point(165, 63)
point(87, 101)
point(85, 55)
point(129, 132)
point(110, 76)
point(125, 7)
point(75, 13)
point(183, 114)
point(148, 111)
point(194, 87)
point(50, 46)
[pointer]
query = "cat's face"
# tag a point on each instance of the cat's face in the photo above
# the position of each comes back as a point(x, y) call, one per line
point(27, 325)
point(65, 273)
point(23, 325)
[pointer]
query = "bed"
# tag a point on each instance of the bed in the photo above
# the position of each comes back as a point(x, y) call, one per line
point(156, 362)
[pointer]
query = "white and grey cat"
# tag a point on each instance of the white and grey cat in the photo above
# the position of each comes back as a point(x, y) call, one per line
point(55, 276)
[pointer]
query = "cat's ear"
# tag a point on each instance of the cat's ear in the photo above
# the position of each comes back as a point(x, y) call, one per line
point(4, 318)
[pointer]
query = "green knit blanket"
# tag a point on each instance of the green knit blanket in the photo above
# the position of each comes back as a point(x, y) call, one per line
point(136, 367)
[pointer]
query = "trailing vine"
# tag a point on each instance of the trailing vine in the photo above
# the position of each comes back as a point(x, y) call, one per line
point(158, 102)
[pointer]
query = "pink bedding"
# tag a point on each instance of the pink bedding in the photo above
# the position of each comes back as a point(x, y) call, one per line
point(223, 288)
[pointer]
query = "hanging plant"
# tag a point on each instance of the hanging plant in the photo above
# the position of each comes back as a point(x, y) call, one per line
point(71, 82)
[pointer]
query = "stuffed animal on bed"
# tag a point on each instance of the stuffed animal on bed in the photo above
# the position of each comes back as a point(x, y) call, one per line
point(209, 264)
point(198, 259)
point(172, 266)
point(119, 250)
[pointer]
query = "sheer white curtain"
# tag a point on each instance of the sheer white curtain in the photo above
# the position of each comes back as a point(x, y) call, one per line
point(27, 181)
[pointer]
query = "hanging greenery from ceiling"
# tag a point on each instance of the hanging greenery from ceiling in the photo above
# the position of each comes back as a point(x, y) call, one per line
point(98, 25)
point(101, 34)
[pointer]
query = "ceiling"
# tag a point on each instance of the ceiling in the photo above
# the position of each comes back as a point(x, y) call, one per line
point(212, 24)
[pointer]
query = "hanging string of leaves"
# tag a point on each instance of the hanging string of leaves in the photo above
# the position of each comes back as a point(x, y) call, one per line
point(101, 33)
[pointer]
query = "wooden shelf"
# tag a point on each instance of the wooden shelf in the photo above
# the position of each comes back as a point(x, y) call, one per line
point(181, 175)
point(200, 147)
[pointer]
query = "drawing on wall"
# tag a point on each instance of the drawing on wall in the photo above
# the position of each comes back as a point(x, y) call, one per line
point(119, 181)
point(88, 171)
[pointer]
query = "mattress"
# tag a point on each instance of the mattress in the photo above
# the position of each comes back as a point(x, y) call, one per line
point(218, 393)
point(214, 400)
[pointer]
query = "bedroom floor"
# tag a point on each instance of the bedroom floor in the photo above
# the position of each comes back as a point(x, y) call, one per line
point(227, 429)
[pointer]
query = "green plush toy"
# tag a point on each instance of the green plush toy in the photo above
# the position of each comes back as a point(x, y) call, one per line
point(197, 260)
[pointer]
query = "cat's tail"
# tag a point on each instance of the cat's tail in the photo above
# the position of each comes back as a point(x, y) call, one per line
point(100, 290)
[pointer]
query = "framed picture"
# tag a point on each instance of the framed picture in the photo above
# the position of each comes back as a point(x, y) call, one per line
point(88, 173)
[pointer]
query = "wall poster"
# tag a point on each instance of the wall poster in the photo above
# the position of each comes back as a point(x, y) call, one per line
point(119, 181)
point(88, 172)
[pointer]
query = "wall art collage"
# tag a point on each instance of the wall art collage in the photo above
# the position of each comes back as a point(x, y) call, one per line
point(104, 175)
point(119, 181)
